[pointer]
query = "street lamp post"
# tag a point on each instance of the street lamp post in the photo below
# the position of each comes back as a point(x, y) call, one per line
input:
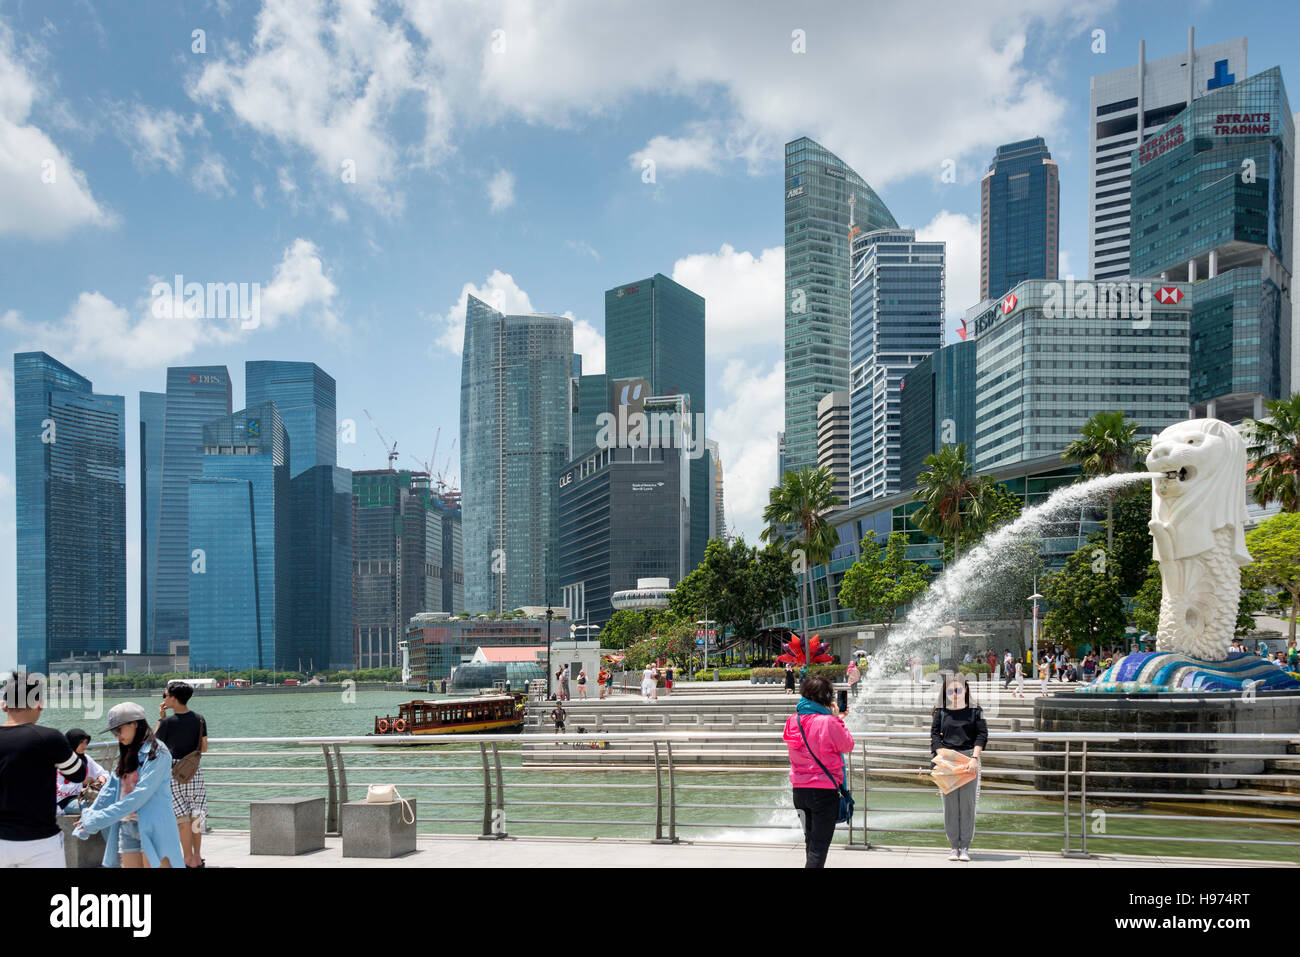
point(1034, 598)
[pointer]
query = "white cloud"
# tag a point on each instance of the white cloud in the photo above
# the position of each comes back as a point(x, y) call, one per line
point(499, 291)
point(46, 197)
point(6, 399)
point(96, 328)
point(582, 246)
point(338, 213)
point(744, 424)
point(157, 136)
point(961, 264)
point(501, 190)
point(212, 176)
point(589, 343)
point(395, 86)
point(742, 296)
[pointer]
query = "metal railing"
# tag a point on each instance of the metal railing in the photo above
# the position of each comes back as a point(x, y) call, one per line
point(661, 785)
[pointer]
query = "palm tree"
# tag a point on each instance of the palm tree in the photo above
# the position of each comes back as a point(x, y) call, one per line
point(802, 500)
point(1274, 454)
point(1107, 444)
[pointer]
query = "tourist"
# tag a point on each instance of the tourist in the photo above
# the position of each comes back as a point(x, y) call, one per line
point(966, 658)
point(602, 678)
point(657, 675)
point(789, 678)
point(1008, 668)
point(853, 676)
point(564, 683)
point(66, 792)
point(582, 682)
point(817, 740)
point(648, 682)
point(134, 810)
point(1089, 666)
point(185, 733)
point(29, 833)
point(1044, 669)
point(668, 679)
point(990, 659)
point(1020, 680)
point(558, 715)
point(958, 724)
point(1293, 657)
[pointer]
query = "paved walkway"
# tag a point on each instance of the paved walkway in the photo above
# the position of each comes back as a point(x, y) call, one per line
point(230, 849)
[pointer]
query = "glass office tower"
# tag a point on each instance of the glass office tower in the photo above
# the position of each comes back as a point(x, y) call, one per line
point(196, 395)
point(818, 189)
point(153, 415)
point(937, 408)
point(320, 568)
point(897, 302)
point(1213, 205)
point(654, 329)
point(70, 501)
point(514, 431)
point(1020, 224)
point(304, 395)
point(239, 543)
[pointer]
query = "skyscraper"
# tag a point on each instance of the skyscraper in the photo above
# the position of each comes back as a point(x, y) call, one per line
point(196, 395)
point(514, 429)
point(1213, 205)
point(654, 329)
point(937, 408)
point(320, 567)
point(303, 394)
point(153, 416)
point(1020, 222)
point(1156, 91)
point(718, 513)
point(833, 440)
point(240, 573)
point(897, 321)
point(818, 189)
point(70, 500)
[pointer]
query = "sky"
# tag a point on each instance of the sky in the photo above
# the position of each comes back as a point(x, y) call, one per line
point(369, 165)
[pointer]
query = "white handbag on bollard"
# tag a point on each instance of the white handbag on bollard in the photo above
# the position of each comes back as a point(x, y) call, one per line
point(387, 794)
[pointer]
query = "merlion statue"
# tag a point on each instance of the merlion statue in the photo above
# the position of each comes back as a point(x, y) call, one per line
point(1198, 515)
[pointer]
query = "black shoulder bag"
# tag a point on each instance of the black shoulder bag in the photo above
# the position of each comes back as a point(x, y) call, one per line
point(845, 813)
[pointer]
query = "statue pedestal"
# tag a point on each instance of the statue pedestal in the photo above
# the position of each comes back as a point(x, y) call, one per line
point(1169, 671)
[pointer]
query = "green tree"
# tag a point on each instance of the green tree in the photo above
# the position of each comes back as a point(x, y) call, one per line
point(882, 580)
point(1274, 454)
point(736, 586)
point(957, 505)
point(1128, 538)
point(1107, 444)
point(801, 502)
point(1275, 546)
point(1084, 604)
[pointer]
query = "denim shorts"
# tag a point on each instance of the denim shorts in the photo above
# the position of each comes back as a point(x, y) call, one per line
point(128, 837)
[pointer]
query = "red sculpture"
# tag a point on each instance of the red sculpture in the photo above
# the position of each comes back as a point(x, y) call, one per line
point(795, 654)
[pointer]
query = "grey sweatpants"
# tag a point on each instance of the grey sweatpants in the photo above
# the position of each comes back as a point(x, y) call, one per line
point(959, 812)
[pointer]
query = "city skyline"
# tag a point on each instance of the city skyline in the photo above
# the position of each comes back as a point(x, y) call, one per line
point(369, 279)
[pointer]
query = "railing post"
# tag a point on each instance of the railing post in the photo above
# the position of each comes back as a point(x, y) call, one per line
point(499, 824)
point(1083, 799)
point(331, 801)
point(672, 796)
point(487, 795)
point(343, 780)
point(1065, 799)
point(866, 791)
point(659, 800)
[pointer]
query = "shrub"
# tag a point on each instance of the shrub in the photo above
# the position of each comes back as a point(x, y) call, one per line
point(778, 673)
point(929, 669)
point(829, 672)
point(975, 668)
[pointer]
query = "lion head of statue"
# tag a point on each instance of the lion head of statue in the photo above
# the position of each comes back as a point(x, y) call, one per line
point(1200, 486)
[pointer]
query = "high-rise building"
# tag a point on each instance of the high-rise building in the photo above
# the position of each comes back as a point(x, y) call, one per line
point(833, 440)
point(822, 195)
point(320, 567)
point(1213, 206)
point(624, 514)
point(70, 502)
point(937, 408)
point(240, 575)
point(897, 308)
point(588, 399)
point(718, 513)
point(780, 457)
point(654, 329)
point(196, 395)
point(514, 431)
point(1020, 225)
point(1049, 355)
point(1156, 91)
point(304, 395)
point(453, 560)
point(398, 551)
point(153, 416)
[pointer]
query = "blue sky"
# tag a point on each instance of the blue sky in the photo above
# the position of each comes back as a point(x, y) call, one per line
point(499, 148)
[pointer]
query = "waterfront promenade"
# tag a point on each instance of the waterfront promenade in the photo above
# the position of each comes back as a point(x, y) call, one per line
point(229, 849)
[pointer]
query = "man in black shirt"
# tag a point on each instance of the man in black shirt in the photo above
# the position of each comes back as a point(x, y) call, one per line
point(29, 758)
point(184, 733)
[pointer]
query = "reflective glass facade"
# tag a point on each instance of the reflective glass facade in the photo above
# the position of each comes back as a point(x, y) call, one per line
point(588, 398)
point(196, 395)
point(1019, 217)
point(514, 432)
point(1051, 354)
point(1213, 205)
point(241, 580)
point(437, 645)
point(70, 500)
point(897, 303)
point(153, 406)
point(937, 407)
point(654, 329)
point(818, 187)
point(304, 395)
point(320, 567)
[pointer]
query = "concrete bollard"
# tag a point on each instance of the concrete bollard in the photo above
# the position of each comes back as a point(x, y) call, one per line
point(79, 853)
point(378, 830)
point(286, 826)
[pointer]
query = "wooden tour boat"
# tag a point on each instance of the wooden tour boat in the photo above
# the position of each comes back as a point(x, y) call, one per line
point(484, 713)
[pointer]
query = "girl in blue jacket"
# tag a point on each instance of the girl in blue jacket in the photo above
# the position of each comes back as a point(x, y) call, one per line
point(134, 810)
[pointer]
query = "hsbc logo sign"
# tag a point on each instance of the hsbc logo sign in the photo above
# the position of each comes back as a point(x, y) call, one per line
point(1009, 303)
point(1170, 295)
point(627, 291)
point(1131, 301)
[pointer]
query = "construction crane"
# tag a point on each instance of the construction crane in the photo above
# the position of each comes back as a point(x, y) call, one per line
point(392, 450)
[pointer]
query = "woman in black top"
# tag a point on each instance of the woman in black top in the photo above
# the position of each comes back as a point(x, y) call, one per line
point(960, 726)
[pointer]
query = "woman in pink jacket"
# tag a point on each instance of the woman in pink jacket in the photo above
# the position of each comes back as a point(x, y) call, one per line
point(815, 732)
